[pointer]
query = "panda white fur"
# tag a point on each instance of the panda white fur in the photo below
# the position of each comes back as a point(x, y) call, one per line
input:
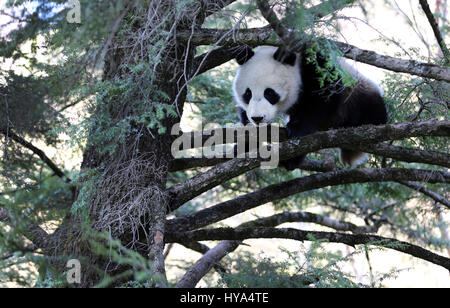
point(272, 82)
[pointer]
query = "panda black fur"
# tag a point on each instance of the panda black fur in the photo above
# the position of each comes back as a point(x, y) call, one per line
point(272, 81)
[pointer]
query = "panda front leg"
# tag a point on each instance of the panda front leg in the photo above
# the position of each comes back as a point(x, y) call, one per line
point(296, 129)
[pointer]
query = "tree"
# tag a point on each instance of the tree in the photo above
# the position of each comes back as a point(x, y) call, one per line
point(133, 65)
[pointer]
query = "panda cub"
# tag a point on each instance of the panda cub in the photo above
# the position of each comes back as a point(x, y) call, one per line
point(273, 81)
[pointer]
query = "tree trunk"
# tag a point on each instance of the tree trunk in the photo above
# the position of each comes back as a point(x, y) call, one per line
point(130, 193)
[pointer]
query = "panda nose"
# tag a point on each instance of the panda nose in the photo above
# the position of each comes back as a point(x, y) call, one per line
point(257, 120)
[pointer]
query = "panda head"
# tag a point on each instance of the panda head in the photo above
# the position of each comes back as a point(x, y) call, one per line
point(267, 83)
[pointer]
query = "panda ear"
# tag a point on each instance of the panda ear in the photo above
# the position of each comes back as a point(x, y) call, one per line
point(243, 54)
point(284, 56)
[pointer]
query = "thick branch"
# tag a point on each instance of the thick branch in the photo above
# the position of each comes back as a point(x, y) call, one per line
point(280, 191)
point(382, 149)
point(411, 67)
point(437, 33)
point(196, 139)
point(406, 154)
point(300, 235)
point(212, 59)
point(200, 183)
point(266, 36)
point(181, 164)
point(286, 217)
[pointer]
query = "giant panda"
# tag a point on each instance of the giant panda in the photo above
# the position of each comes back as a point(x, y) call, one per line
point(272, 82)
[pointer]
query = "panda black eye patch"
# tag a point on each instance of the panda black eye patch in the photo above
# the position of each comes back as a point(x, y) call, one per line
point(271, 96)
point(247, 96)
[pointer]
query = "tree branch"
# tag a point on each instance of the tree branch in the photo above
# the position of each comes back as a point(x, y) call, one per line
point(405, 154)
point(300, 235)
point(210, 7)
point(325, 8)
point(280, 191)
point(219, 56)
point(203, 265)
point(352, 52)
point(202, 182)
point(181, 164)
point(35, 150)
point(411, 67)
point(437, 33)
point(266, 36)
point(203, 249)
point(212, 59)
point(420, 188)
point(382, 149)
point(286, 217)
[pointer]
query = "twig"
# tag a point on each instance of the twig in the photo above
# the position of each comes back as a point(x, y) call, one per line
point(420, 188)
point(437, 33)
